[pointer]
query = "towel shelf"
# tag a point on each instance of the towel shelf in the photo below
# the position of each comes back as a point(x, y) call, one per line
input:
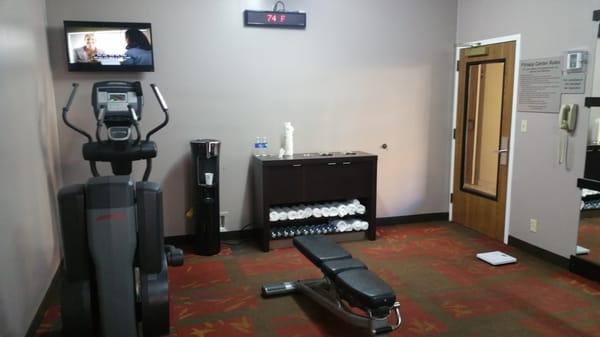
point(304, 179)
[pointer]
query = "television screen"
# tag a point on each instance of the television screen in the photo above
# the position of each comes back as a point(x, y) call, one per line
point(109, 46)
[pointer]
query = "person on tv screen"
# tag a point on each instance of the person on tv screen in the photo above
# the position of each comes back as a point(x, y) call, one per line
point(88, 52)
point(139, 50)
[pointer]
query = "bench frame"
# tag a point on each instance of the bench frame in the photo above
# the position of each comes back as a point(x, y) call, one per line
point(324, 292)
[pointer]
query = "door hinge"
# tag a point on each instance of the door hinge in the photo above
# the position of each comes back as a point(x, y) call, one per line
point(451, 197)
point(457, 65)
point(454, 133)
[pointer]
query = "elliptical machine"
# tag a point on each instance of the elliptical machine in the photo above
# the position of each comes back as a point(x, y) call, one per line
point(115, 280)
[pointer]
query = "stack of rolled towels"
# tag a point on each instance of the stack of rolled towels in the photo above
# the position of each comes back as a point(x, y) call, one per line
point(350, 225)
point(334, 226)
point(323, 210)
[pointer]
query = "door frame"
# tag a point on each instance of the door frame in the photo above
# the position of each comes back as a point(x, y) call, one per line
point(511, 154)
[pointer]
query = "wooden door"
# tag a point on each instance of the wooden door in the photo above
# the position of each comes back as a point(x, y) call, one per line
point(483, 122)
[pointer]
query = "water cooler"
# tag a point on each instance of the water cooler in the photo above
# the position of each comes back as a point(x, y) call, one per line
point(205, 159)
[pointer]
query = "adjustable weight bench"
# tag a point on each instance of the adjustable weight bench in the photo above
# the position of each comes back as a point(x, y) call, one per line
point(346, 282)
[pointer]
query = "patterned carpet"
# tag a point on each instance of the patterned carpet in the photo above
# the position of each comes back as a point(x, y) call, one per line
point(589, 237)
point(443, 289)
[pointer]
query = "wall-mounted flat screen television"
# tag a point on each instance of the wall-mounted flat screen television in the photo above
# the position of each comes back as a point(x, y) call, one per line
point(109, 46)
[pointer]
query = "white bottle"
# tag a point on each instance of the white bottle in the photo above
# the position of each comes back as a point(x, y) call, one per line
point(289, 139)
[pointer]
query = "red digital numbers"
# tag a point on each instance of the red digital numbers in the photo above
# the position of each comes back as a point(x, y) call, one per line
point(274, 18)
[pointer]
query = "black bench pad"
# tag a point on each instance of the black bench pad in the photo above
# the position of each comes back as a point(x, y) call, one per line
point(319, 249)
point(334, 267)
point(365, 289)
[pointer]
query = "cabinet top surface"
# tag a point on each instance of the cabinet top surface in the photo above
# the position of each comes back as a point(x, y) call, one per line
point(315, 156)
point(590, 184)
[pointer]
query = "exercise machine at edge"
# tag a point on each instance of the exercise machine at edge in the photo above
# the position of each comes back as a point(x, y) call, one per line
point(346, 283)
point(115, 281)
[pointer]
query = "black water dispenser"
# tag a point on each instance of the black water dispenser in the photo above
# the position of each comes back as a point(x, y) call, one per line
point(205, 159)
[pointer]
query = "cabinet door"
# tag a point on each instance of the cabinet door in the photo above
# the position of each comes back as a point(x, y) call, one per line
point(339, 180)
point(283, 184)
point(592, 163)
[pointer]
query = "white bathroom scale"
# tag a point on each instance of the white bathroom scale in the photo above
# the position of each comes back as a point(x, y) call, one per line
point(496, 258)
point(582, 250)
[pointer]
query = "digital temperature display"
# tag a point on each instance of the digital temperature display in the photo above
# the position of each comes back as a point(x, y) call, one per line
point(275, 19)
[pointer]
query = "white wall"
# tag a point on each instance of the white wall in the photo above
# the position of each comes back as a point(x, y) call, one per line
point(361, 74)
point(29, 248)
point(541, 188)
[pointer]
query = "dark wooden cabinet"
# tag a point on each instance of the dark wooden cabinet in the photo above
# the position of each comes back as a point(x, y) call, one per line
point(309, 179)
point(592, 162)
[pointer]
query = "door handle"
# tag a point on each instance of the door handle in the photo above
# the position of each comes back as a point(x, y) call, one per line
point(346, 163)
point(297, 165)
point(331, 164)
point(503, 152)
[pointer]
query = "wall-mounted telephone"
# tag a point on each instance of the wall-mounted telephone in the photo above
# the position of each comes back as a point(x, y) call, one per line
point(568, 117)
point(567, 120)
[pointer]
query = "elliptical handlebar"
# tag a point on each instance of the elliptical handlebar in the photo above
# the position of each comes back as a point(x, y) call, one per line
point(163, 106)
point(136, 125)
point(66, 109)
point(159, 97)
point(71, 97)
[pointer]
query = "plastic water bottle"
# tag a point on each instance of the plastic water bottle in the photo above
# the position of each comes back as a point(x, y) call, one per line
point(264, 146)
point(257, 146)
point(260, 146)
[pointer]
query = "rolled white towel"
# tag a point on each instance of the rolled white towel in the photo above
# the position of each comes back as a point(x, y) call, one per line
point(325, 211)
point(361, 209)
point(365, 226)
point(291, 214)
point(351, 208)
point(333, 211)
point(317, 212)
point(273, 215)
point(355, 202)
point(281, 214)
point(356, 225)
point(341, 225)
point(300, 212)
point(342, 210)
point(308, 212)
point(348, 227)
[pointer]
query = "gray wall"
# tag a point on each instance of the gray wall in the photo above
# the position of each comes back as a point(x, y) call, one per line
point(541, 188)
point(29, 248)
point(362, 74)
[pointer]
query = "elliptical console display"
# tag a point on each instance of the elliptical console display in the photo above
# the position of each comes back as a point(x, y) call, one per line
point(115, 263)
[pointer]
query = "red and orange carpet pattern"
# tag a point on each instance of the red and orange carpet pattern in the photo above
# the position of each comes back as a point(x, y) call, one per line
point(443, 289)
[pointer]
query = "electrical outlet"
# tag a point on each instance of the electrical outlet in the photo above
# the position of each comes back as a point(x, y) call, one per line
point(222, 222)
point(523, 125)
point(533, 225)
